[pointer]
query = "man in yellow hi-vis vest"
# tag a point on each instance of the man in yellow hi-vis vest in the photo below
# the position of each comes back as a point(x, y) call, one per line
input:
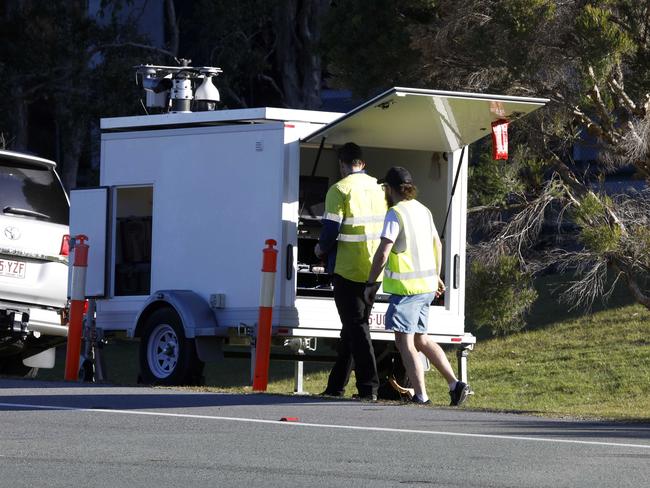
point(411, 251)
point(354, 214)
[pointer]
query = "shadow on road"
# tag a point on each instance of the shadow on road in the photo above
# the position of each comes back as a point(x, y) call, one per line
point(35, 395)
point(144, 397)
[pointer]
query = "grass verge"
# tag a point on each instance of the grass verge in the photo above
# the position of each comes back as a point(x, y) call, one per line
point(596, 366)
point(592, 366)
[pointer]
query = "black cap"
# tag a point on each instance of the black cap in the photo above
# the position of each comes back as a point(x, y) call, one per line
point(396, 176)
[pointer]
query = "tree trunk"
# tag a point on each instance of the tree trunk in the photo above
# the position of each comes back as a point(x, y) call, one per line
point(297, 37)
point(638, 295)
point(285, 53)
point(173, 33)
point(310, 29)
point(632, 284)
point(20, 122)
point(73, 140)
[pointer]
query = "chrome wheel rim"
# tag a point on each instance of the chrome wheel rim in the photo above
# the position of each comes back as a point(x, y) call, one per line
point(162, 351)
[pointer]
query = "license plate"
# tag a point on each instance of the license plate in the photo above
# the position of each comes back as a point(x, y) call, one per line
point(13, 269)
point(377, 321)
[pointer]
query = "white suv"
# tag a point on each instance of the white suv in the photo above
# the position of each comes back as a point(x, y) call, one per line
point(34, 213)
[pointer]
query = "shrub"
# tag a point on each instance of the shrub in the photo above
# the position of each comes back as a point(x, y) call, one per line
point(498, 296)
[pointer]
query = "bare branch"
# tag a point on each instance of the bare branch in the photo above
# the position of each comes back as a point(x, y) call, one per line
point(273, 84)
point(231, 94)
point(493, 208)
point(581, 190)
point(626, 101)
point(582, 293)
point(520, 232)
point(592, 127)
point(629, 259)
point(601, 108)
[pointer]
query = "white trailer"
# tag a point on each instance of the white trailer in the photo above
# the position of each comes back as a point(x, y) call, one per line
point(187, 200)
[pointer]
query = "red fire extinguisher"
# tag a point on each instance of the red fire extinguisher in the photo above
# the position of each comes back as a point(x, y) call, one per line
point(500, 139)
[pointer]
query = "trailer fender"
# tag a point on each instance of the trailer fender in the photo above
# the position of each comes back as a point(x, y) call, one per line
point(194, 311)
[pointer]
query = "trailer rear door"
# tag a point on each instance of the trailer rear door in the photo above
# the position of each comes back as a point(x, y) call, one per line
point(88, 216)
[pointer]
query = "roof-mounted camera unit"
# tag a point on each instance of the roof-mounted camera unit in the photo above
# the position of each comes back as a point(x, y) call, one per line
point(171, 87)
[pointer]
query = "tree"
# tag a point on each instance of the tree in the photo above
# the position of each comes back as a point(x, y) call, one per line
point(61, 61)
point(602, 46)
point(298, 29)
point(611, 232)
point(370, 49)
point(269, 57)
point(74, 68)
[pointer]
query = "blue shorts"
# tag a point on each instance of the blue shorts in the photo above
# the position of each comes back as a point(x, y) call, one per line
point(409, 314)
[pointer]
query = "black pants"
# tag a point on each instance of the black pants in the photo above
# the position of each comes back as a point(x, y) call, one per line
point(355, 346)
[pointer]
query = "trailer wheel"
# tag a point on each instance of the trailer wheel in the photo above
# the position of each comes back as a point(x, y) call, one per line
point(167, 357)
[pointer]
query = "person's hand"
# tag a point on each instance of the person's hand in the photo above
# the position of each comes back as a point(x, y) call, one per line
point(370, 292)
point(441, 288)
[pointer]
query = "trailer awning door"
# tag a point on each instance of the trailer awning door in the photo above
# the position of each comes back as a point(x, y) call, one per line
point(428, 120)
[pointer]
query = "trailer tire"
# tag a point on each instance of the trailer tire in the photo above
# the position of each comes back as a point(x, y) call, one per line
point(389, 366)
point(167, 357)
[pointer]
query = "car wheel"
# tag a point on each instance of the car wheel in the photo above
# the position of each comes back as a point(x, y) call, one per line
point(167, 357)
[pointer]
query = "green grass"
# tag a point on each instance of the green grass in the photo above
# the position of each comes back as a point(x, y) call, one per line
point(595, 366)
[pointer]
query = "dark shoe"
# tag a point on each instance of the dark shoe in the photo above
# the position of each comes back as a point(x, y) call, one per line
point(459, 394)
point(331, 393)
point(368, 398)
point(418, 401)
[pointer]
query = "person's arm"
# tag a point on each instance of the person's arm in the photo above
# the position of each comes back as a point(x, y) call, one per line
point(331, 222)
point(389, 235)
point(380, 259)
point(327, 239)
point(437, 253)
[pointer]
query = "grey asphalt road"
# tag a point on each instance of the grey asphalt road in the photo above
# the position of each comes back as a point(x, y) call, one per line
point(62, 434)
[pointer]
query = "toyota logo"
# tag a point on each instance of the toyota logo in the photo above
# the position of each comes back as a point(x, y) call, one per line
point(12, 233)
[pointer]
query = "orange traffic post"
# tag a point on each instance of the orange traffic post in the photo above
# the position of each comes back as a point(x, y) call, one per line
point(77, 303)
point(263, 346)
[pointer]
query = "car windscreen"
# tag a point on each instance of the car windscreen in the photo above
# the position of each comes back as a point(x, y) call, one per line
point(32, 192)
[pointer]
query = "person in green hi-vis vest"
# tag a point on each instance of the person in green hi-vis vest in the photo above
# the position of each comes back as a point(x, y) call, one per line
point(411, 252)
point(354, 213)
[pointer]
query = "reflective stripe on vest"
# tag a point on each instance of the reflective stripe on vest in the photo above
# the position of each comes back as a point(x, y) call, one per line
point(375, 236)
point(333, 217)
point(410, 275)
point(372, 219)
point(414, 270)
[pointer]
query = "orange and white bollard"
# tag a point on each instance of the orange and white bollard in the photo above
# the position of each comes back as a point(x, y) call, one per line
point(77, 304)
point(267, 291)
